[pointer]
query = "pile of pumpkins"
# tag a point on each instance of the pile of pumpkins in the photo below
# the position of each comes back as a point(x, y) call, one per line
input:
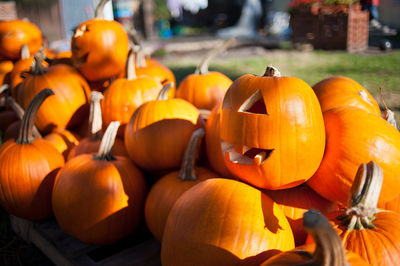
point(221, 172)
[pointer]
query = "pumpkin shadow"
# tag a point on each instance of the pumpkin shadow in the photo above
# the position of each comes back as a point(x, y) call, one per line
point(270, 220)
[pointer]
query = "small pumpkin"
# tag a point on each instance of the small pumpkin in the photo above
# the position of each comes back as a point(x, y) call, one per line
point(273, 130)
point(225, 222)
point(205, 89)
point(99, 47)
point(28, 167)
point(117, 192)
point(15, 33)
point(328, 250)
point(166, 191)
point(125, 95)
point(158, 131)
point(63, 141)
point(6, 66)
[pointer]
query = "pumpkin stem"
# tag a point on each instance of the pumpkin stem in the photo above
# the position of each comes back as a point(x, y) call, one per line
point(202, 68)
point(329, 250)
point(107, 142)
point(37, 67)
point(389, 114)
point(20, 113)
point(140, 56)
point(98, 12)
point(130, 66)
point(188, 169)
point(28, 120)
point(272, 71)
point(4, 87)
point(364, 198)
point(95, 119)
point(25, 54)
point(163, 94)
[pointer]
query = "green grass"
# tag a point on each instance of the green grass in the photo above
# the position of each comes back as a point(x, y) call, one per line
point(370, 70)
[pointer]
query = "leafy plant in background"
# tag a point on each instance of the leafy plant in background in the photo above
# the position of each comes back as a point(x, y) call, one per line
point(161, 10)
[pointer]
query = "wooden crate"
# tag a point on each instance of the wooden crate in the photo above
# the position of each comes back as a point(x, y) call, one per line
point(62, 249)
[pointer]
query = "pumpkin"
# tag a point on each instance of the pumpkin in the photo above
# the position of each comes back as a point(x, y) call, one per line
point(124, 95)
point(371, 233)
point(117, 192)
point(91, 144)
point(273, 130)
point(6, 66)
point(62, 58)
point(155, 70)
point(294, 202)
point(354, 137)
point(14, 34)
point(63, 141)
point(99, 47)
point(166, 191)
point(64, 110)
point(205, 89)
point(328, 249)
point(28, 167)
point(224, 222)
point(158, 132)
point(213, 143)
point(338, 91)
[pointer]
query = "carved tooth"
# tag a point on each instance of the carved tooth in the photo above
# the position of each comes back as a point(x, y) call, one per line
point(225, 146)
point(237, 158)
point(259, 158)
point(245, 149)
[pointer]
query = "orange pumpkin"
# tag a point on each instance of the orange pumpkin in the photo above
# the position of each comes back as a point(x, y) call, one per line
point(6, 66)
point(99, 47)
point(294, 202)
point(273, 129)
point(166, 191)
point(117, 192)
point(15, 33)
point(328, 249)
point(338, 91)
point(91, 144)
point(28, 167)
point(354, 137)
point(70, 103)
point(224, 222)
point(371, 233)
point(63, 141)
point(213, 143)
point(125, 95)
point(158, 131)
point(205, 89)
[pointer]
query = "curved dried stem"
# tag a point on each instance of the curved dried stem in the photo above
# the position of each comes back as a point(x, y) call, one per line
point(107, 142)
point(95, 119)
point(25, 54)
point(20, 113)
point(98, 12)
point(272, 71)
point(188, 168)
point(130, 66)
point(163, 94)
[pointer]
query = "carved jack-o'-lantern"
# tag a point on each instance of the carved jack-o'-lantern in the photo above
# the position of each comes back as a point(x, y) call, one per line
point(272, 130)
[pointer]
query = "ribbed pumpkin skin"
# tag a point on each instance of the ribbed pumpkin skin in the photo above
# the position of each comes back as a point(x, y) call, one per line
point(223, 222)
point(63, 141)
point(292, 130)
point(27, 173)
point(213, 143)
point(22, 65)
point(355, 137)
point(204, 90)
point(123, 97)
point(97, 201)
point(87, 146)
point(14, 34)
point(99, 49)
point(164, 193)
point(378, 246)
point(297, 258)
point(393, 205)
point(69, 104)
point(158, 132)
point(338, 91)
point(294, 202)
point(158, 72)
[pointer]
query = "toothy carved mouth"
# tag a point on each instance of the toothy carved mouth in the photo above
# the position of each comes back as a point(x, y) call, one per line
point(245, 155)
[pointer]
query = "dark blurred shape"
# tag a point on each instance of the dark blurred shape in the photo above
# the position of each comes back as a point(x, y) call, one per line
point(385, 45)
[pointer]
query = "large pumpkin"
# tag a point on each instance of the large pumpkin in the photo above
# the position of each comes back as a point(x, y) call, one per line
point(371, 233)
point(166, 191)
point(28, 167)
point(355, 137)
point(67, 107)
point(14, 34)
point(224, 222)
point(273, 130)
point(338, 91)
point(158, 132)
point(99, 198)
point(99, 47)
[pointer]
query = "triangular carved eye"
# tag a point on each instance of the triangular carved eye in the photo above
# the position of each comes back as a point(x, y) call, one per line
point(254, 104)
